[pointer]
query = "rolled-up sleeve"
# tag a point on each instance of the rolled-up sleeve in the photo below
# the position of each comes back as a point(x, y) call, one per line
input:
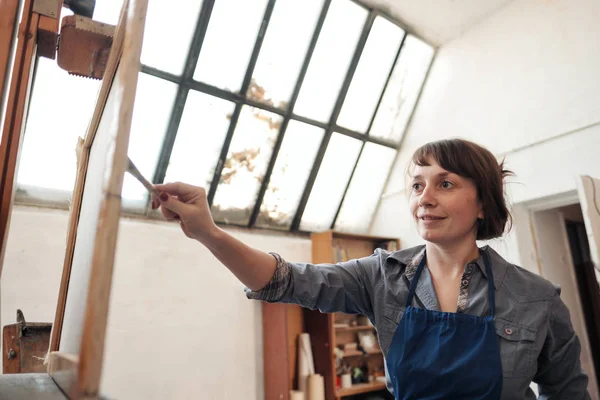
point(345, 287)
point(276, 288)
point(560, 375)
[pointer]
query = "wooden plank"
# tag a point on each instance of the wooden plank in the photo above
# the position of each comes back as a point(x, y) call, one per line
point(275, 352)
point(48, 29)
point(8, 18)
point(295, 326)
point(361, 388)
point(97, 304)
point(16, 109)
point(10, 345)
point(28, 387)
point(82, 160)
point(83, 154)
point(83, 327)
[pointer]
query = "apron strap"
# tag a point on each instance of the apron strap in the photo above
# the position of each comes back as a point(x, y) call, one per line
point(488, 271)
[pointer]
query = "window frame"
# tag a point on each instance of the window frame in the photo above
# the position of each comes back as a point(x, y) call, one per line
point(185, 83)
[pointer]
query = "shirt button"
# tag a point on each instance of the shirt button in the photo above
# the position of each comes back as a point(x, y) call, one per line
point(465, 282)
point(508, 331)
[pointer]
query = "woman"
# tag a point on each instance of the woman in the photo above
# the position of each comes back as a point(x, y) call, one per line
point(454, 321)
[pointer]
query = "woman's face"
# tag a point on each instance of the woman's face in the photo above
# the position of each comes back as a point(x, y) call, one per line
point(444, 205)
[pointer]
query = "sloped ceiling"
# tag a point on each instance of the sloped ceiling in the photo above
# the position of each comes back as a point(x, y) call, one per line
point(438, 21)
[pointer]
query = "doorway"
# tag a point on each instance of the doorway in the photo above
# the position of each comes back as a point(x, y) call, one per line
point(587, 276)
point(563, 251)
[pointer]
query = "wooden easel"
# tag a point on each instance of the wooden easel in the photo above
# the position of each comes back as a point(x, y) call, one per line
point(74, 362)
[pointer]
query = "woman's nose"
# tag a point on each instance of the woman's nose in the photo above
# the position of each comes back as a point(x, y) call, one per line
point(427, 198)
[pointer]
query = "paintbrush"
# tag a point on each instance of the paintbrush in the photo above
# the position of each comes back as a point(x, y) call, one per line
point(132, 169)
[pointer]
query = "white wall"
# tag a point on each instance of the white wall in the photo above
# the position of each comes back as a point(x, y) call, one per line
point(523, 83)
point(179, 326)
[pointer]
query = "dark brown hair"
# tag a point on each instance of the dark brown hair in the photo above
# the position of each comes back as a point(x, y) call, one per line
point(477, 163)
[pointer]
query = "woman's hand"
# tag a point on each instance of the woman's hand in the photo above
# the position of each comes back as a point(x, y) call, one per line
point(188, 204)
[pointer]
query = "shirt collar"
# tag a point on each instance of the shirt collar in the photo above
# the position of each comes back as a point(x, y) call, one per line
point(411, 257)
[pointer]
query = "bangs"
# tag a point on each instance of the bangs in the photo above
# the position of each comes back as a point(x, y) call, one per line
point(446, 154)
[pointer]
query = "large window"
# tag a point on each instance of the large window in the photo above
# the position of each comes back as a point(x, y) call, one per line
point(288, 112)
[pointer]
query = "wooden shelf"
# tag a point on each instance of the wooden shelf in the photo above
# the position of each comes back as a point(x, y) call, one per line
point(353, 354)
point(361, 354)
point(360, 388)
point(331, 247)
point(355, 328)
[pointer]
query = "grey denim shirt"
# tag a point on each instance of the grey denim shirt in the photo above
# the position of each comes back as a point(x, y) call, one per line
point(537, 341)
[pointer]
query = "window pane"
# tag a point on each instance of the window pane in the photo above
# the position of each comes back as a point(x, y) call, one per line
point(330, 60)
point(48, 152)
point(294, 163)
point(403, 89)
point(365, 189)
point(283, 50)
point(228, 44)
point(368, 82)
point(152, 110)
point(199, 140)
point(245, 166)
point(167, 49)
point(326, 195)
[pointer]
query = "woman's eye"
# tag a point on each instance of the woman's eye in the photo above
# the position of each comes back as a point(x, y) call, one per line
point(416, 186)
point(446, 185)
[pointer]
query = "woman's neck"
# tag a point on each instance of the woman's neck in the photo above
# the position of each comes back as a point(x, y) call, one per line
point(450, 260)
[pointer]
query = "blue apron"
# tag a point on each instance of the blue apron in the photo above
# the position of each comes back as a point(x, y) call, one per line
point(442, 355)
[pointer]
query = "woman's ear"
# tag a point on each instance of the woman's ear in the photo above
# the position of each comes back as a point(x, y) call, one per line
point(480, 215)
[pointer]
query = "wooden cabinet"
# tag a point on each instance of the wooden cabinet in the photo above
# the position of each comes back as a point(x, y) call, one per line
point(283, 323)
point(331, 331)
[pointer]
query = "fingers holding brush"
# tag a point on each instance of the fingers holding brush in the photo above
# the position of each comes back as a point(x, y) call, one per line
point(189, 204)
point(160, 198)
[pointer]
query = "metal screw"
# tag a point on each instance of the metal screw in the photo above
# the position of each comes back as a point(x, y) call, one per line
point(12, 354)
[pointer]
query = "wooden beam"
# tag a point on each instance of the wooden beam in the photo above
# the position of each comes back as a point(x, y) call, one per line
point(98, 298)
point(16, 109)
point(8, 19)
point(48, 29)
